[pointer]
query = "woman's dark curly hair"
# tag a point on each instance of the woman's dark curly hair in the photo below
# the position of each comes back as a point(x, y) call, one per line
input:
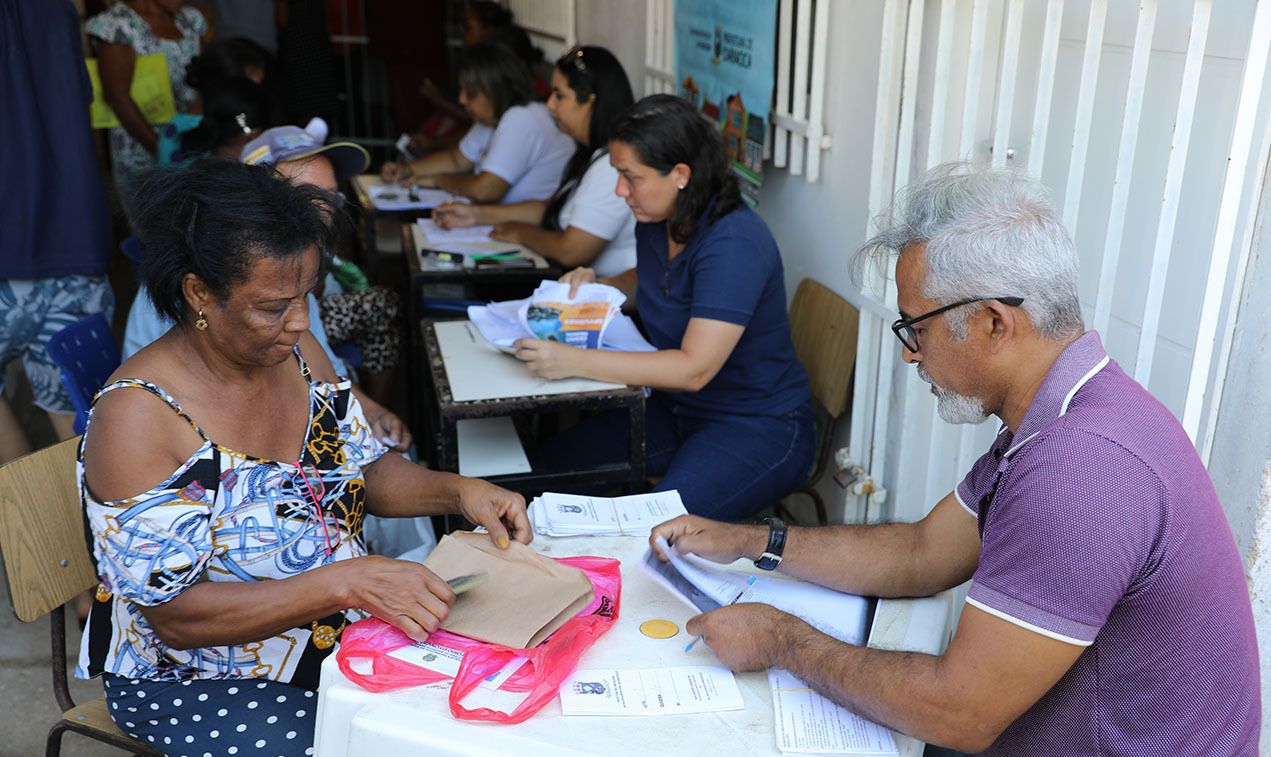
point(664, 130)
point(589, 71)
point(215, 219)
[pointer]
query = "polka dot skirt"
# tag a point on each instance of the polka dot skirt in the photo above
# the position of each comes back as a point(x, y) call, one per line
point(214, 718)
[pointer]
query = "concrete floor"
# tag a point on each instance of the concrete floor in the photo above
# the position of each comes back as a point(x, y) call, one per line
point(27, 706)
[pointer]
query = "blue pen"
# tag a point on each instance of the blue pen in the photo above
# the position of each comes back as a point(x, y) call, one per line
point(749, 583)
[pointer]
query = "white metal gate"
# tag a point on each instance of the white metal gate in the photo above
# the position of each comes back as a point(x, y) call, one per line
point(1144, 120)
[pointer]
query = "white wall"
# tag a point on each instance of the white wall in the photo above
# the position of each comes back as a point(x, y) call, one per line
point(619, 26)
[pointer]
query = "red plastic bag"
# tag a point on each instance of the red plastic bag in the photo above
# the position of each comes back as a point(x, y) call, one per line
point(547, 665)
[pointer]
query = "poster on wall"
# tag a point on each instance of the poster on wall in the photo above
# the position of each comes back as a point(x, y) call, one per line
point(725, 64)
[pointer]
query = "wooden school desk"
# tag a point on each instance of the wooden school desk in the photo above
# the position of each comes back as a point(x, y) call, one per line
point(470, 380)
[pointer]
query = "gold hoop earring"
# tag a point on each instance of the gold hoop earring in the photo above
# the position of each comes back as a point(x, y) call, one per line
point(201, 323)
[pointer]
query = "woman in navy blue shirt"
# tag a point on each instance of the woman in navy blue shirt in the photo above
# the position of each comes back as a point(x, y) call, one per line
point(729, 422)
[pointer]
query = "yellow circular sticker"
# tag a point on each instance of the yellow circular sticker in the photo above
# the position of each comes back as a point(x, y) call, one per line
point(659, 629)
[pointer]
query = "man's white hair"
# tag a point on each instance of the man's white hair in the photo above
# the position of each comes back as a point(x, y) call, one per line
point(988, 233)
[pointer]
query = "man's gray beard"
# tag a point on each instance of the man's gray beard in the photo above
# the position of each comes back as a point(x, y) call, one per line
point(955, 408)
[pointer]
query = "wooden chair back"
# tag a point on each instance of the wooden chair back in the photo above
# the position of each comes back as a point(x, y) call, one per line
point(42, 531)
point(824, 328)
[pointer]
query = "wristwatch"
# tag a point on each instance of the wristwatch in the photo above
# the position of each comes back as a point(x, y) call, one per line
point(771, 556)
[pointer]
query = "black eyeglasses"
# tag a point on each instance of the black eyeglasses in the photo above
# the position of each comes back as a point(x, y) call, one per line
point(903, 328)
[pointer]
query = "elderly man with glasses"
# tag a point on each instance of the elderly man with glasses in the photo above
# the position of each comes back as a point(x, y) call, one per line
point(1108, 612)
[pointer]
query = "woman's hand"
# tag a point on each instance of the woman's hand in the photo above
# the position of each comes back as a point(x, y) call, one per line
point(495, 508)
point(577, 278)
point(391, 430)
point(508, 231)
point(393, 171)
point(399, 592)
point(454, 215)
point(545, 359)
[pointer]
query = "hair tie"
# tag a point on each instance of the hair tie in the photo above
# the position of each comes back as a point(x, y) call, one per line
point(241, 120)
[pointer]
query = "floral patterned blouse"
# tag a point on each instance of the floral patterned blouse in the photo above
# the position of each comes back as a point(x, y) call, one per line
point(227, 516)
point(121, 25)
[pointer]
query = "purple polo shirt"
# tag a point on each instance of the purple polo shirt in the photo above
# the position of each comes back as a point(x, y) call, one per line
point(1104, 531)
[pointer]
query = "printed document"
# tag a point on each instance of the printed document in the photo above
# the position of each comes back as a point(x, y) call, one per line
point(659, 691)
point(809, 722)
point(706, 586)
point(592, 319)
point(579, 515)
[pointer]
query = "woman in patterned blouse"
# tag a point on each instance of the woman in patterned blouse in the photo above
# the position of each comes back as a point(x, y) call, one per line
point(225, 472)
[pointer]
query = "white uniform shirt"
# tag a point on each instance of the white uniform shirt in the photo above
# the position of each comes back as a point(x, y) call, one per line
point(525, 149)
point(597, 210)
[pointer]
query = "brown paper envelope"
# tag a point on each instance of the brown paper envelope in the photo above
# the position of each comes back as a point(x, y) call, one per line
point(527, 597)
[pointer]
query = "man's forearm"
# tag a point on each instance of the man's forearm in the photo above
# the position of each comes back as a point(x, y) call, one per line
point(873, 561)
point(902, 690)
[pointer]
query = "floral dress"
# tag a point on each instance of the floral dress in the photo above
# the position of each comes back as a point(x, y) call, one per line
point(121, 25)
point(230, 517)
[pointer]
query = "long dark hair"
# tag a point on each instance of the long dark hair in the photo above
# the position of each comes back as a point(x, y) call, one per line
point(495, 71)
point(665, 130)
point(589, 71)
point(232, 108)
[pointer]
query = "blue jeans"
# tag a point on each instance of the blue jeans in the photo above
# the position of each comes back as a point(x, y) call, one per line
point(727, 467)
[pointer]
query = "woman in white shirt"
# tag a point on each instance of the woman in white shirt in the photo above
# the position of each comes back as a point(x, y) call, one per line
point(512, 153)
point(583, 223)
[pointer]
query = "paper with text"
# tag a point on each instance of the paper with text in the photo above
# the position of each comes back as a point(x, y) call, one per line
point(808, 722)
point(661, 691)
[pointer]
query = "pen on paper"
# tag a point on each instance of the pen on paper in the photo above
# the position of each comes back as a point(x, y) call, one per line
point(749, 583)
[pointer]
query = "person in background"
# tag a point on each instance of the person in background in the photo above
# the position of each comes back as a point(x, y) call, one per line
point(729, 423)
point(54, 214)
point(512, 153)
point(220, 62)
point(235, 111)
point(120, 35)
point(225, 474)
point(300, 155)
point(483, 21)
point(369, 317)
point(1108, 611)
point(584, 223)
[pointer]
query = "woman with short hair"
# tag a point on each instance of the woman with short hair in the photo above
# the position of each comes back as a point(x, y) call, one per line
point(512, 153)
point(225, 472)
point(583, 223)
point(729, 423)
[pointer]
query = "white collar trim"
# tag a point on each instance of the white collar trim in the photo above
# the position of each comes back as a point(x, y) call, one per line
point(1063, 408)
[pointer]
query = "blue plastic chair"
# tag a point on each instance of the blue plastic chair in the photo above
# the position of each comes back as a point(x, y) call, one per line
point(131, 248)
point(87, 354)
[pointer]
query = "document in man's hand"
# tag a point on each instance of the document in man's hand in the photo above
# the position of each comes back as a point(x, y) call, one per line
point(578, 515)
point(706, 586)
point(657, 691)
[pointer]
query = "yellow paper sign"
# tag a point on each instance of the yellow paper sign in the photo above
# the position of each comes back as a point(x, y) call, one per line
point(151, 90)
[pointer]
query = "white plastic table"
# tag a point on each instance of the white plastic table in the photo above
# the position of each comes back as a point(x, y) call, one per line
point(353, 722)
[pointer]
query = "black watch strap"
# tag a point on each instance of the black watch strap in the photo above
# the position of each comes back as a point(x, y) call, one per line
point(771, 556)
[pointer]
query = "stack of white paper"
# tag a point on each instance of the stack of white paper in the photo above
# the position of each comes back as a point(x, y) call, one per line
point(661, 691)
point(577, 515)
point(471, 241)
